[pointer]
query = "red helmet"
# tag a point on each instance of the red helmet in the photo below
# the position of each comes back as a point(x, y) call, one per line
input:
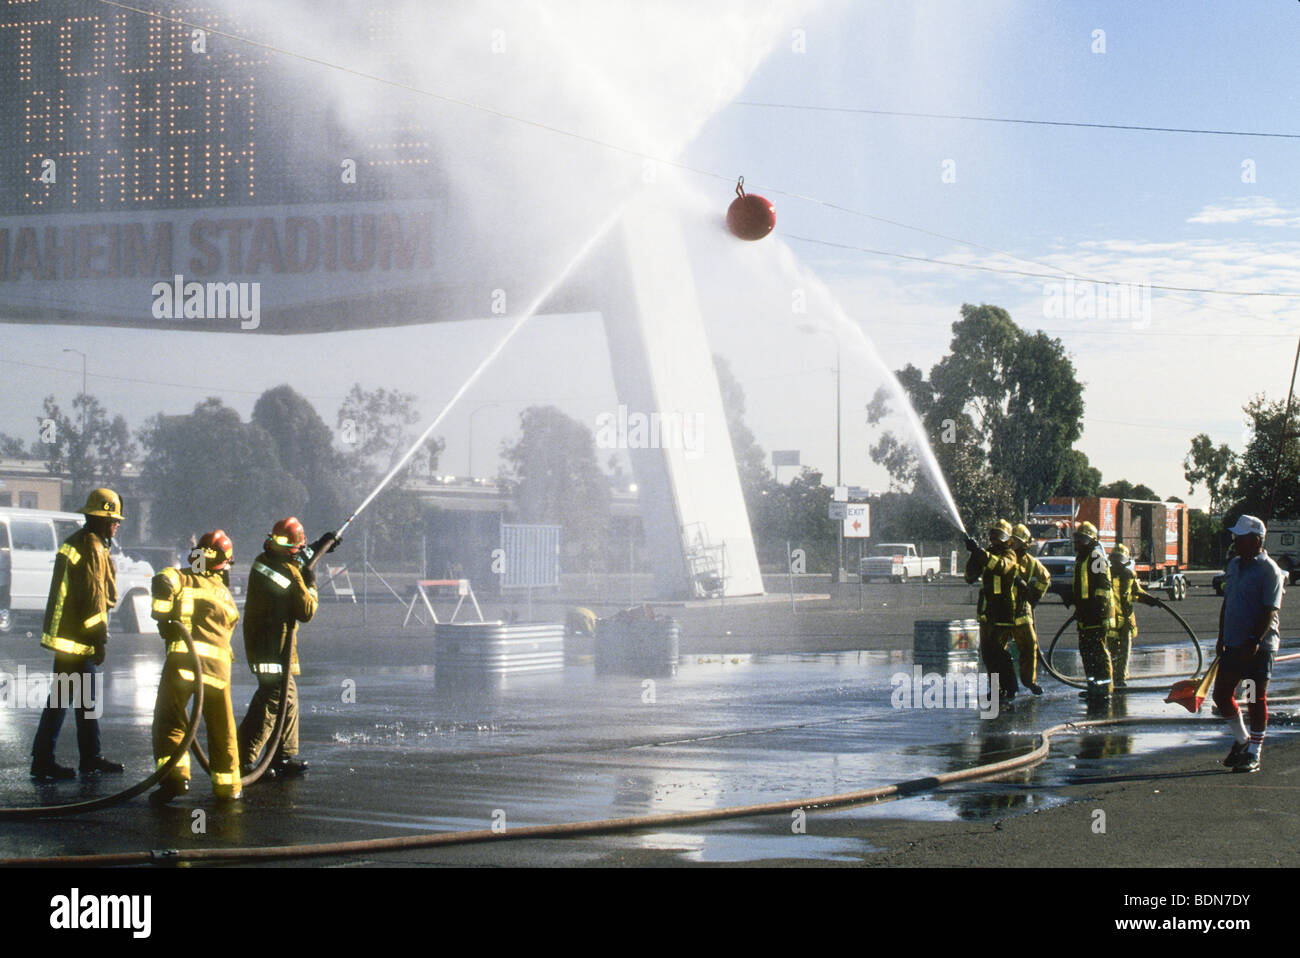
point(287, 537)
point(215, 550)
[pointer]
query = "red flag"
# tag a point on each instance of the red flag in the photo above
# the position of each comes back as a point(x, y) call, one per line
point(1190, 693)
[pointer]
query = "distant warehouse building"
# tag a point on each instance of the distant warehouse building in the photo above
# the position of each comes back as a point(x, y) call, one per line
point(27, 484)
point(463, 528)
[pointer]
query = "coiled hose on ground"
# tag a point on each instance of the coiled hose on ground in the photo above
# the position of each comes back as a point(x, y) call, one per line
point(1046, 660)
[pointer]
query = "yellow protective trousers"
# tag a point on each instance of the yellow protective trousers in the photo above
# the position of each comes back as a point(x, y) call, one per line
point(1119, 642)
point(1026, 639)
point(171, 717)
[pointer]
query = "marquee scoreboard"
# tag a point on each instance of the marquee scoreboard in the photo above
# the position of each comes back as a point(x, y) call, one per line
point(157, 145)
point(110, 109)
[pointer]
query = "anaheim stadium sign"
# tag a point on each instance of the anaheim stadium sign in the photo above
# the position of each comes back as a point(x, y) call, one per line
point(315, 266)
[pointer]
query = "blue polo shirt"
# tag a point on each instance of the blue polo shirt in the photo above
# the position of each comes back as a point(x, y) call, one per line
point(1248, 590)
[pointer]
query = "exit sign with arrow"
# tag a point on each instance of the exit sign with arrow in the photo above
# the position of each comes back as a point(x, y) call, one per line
point(857, 520)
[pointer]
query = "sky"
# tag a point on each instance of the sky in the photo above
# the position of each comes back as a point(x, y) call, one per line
point(1138, 207)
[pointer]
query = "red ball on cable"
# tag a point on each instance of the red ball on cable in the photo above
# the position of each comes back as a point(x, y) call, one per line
point(750, 216)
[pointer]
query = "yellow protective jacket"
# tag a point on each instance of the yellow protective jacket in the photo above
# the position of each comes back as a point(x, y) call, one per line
point(278, 599)
point(1036, 579)
point(203, 605)
point(1127, 590)
point(1094, 602)
point(82, 590)
point(997, 603)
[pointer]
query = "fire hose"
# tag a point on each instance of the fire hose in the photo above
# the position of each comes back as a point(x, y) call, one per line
point(597, 827)
point(196, 713)
point(1075, 683)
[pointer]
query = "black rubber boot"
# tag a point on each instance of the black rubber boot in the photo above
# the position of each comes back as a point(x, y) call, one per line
point(289, 768)
point(101, 764)
point(51, 772)
point(168, 790)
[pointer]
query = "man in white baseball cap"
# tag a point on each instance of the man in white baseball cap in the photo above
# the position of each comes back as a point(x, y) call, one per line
point(1249, 525)
point(1249, 636)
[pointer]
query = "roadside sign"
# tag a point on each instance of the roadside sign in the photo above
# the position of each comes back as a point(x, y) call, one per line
point(838, 510)
point(840, 494)
point(857, 520)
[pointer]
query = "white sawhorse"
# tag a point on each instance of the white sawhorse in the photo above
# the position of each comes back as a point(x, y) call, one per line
point(421, 595)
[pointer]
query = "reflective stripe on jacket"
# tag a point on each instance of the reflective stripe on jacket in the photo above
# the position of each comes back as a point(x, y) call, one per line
point(82, 590)
point(203, 605)
point(1036, 579)
point(278, 599)
point(997, 604)
point(1093, 598)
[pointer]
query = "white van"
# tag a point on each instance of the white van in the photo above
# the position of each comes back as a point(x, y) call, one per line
point(32, 538)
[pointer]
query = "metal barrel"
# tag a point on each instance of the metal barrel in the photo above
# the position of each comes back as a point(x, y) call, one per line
point(944, 642)
point(647, 647)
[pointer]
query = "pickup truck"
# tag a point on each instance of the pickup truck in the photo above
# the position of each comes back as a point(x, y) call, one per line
point(897, 561)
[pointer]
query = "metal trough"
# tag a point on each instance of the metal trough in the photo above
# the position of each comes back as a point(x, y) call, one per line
point(496, 649)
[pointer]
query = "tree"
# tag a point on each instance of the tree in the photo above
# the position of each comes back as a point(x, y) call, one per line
point(1079, 478)
point(1250, 478)
point(554, 477)
point(796, 512)
point(12, 448)
point(306, 449)
point(1210, 466)
point(210, 470)
point(375, 427)
point(88, 447)
point(1000, 413)
point(1123, 489)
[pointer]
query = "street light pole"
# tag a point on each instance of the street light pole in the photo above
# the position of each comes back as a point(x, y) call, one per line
point(839, 457)
point(839, 574)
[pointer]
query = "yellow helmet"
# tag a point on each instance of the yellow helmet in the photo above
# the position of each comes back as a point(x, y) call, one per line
point(1120, 553)
point(1000, 529)
point(1087, 530)
point(1021, 534)
point(104, 503)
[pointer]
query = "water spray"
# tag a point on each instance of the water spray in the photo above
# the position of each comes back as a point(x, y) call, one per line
point(840, 321)
point(527, 314)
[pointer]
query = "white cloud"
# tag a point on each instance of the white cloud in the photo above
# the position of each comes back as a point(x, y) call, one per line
point(1259, 210)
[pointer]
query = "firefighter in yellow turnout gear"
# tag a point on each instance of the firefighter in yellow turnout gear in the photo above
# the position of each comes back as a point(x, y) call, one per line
point(198, 599)
point(82, 590)
point(281, 593)
point(997, 568)
point(1030, 588)
point(1094, 608)
point(1127, 590)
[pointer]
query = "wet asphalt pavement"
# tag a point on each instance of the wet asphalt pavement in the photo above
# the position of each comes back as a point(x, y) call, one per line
point(396, 749)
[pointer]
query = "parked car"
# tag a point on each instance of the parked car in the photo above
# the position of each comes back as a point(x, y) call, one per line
point(1057, 556)
point(897, 561)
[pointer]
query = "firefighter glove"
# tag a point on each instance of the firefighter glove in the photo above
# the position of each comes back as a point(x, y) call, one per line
point(972, 545)
point(329, 539)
